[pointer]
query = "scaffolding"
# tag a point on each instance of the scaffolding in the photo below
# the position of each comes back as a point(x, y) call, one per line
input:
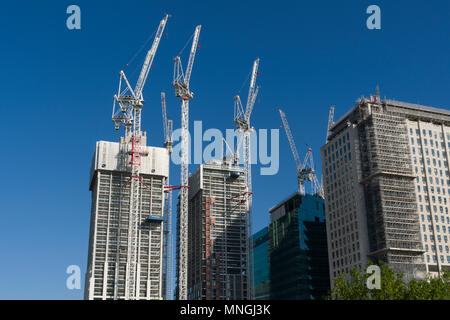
point(218, 233)
point(388, 181)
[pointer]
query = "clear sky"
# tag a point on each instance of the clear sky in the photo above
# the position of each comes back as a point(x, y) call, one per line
point(57, 87)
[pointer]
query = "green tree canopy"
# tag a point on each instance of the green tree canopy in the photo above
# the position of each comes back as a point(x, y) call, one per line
point(393, 286)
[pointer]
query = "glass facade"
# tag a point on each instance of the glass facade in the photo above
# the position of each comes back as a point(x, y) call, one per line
point(261, 264)
point(298, 268)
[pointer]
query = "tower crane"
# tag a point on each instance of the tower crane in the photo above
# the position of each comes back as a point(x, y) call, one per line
point(305, 169)
point(242, 121)
point(168, 239)
point(128, 114)
point(181, 85)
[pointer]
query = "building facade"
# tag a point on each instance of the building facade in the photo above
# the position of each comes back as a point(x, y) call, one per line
point(218, 236)
point(387, 186)
point(261, 266)
point(298, 255)
point(106, 275)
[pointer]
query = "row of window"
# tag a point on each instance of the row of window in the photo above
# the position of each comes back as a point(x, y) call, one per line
point(339, 142)
point(432, 143)
point(433, 197)
point(339, 253)
point(335, 274)
point(436, 181)
point(436, 218)
point(428, 209)
point(430, 133)
point(345, 261)
point(439, 238)
point(433, 248)
point(430, 228)
point(435, 259)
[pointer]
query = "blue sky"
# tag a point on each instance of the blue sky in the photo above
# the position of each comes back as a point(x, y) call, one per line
point(57, 89)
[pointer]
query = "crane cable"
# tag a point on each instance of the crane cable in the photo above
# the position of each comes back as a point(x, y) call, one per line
point(139, 51)
point(245, 81)
point(179, 54)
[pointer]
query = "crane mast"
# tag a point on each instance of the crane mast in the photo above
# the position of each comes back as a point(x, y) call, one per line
point(168, 239)
point(242, 121)
point(181, 85)
point(128, 114)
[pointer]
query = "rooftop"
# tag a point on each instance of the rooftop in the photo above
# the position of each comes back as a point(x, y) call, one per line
point(408, 107)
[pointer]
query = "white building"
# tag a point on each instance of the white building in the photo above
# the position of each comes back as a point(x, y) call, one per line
point(387, 187)
point(108, 239)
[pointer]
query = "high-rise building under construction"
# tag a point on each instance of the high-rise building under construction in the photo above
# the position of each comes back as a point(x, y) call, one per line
point(218, 235)
point(387, 185)
point(108, 270)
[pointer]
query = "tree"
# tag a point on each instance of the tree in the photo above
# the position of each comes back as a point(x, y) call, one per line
point(393, 286)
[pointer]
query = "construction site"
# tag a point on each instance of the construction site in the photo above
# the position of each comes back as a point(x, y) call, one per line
point(370, 190)
point(131, 241)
